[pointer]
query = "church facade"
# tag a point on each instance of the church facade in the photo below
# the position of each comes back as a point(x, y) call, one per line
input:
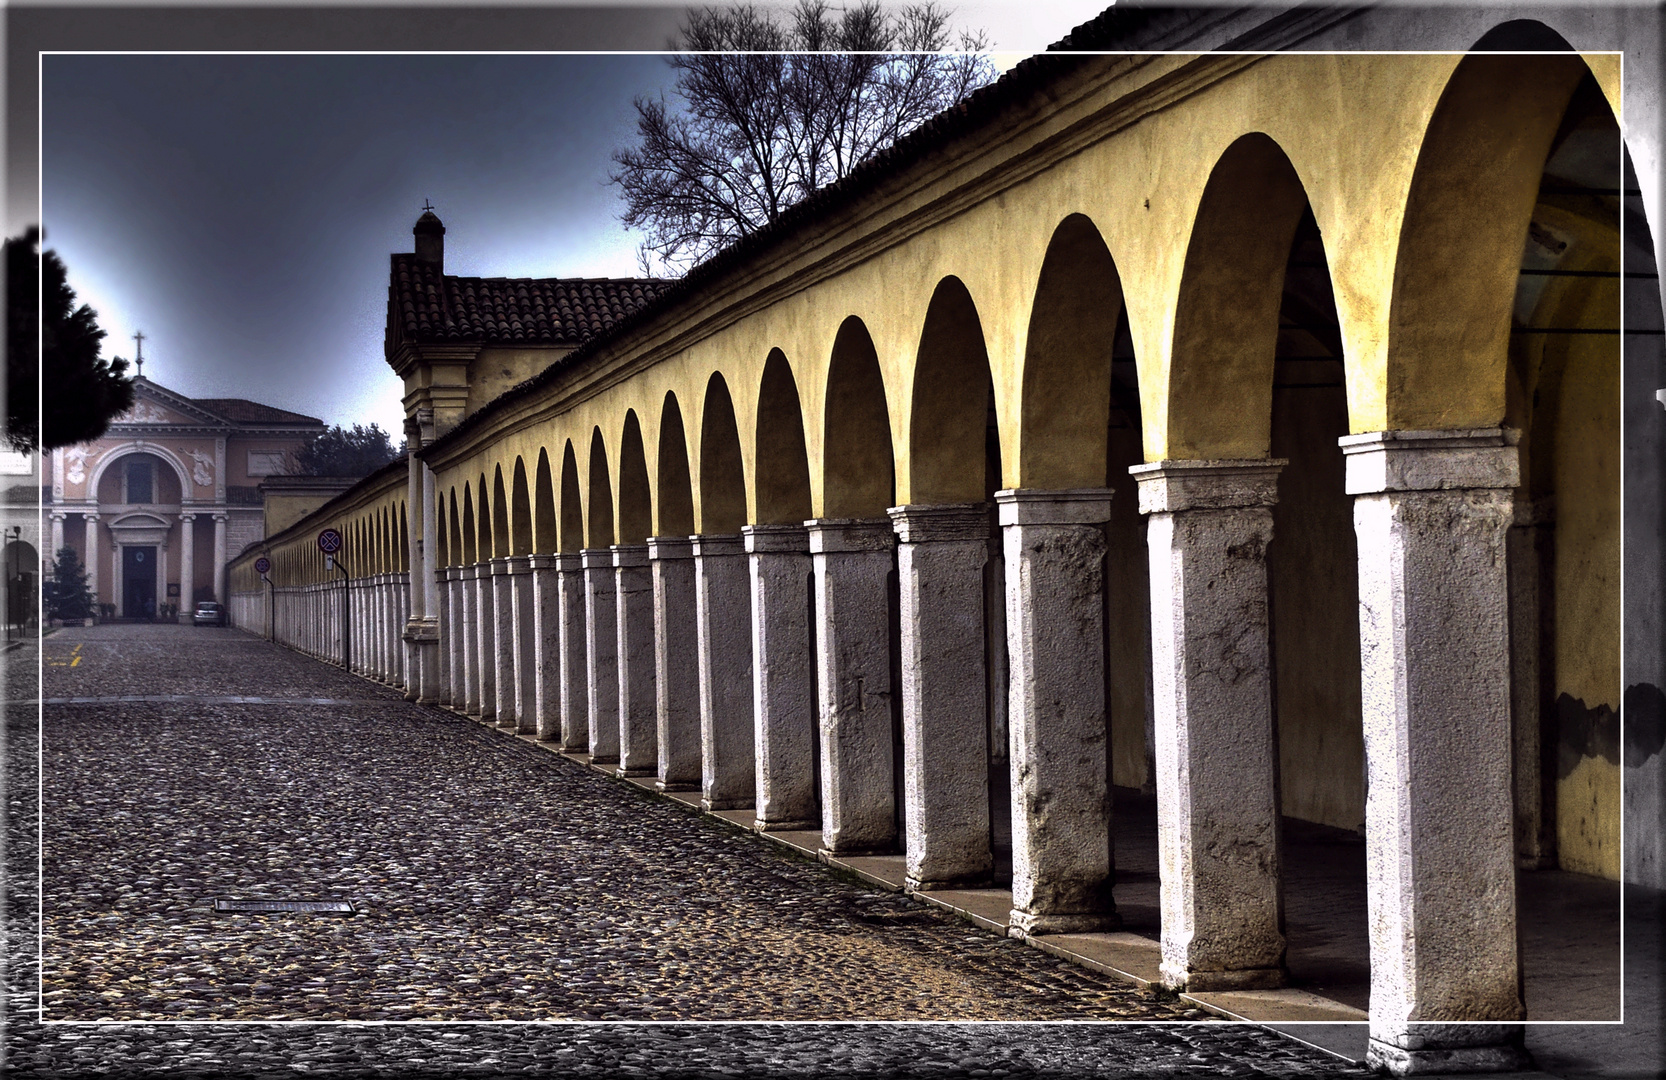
point(157, 506)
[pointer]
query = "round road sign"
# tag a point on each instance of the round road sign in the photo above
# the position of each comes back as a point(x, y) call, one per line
point(262, 565)
point(329, 541)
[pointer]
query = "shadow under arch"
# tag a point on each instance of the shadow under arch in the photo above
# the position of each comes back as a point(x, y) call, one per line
point(858, 462)
point(599, 499)
point(636, 509)
point(783, 467)
point(572, 502)
point(950, 403)
point(471, 533)
point(520, 514)
point(676, 488)
point(544, 535)
point(722, 472)
point(500, 515)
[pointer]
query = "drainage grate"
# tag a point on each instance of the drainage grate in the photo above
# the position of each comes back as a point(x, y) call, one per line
point(319, 907)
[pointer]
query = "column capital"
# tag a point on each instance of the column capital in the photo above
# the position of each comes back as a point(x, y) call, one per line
point(220, 517)
point(831, 536)
point(568, 561)
point(91, 515)
point(596, 559)
point(59, 515)
point(708, 546)
point(499, 566)
point(661, 548)
point(1170, 486)
point(1065, 506)
point(187, 517)
point(626, 556)
point(792, 539)
point(1380, 461)
point(918, 524)
point(543, 562)
point(519, 564)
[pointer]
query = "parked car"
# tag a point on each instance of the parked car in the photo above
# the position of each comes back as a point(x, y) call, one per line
point(208, 613)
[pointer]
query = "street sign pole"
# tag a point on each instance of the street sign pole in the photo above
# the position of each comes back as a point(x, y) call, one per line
point(329, 542)
point(262, 565)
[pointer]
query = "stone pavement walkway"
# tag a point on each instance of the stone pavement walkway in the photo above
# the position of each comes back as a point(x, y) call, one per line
point(495, 881)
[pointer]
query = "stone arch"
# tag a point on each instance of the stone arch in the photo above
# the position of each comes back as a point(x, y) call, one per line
point(520, 528)
point(636, 509)
point(722, 473)
point(543, 507)
point(455, 554)
point(1467, 211)
point(952, 398)
point(858, 463)
point(500, 515)
point(471, 531)
point(600, 496)
point(783, 466)
point(1226, 314)
point(186, 489)
point(676, 488)
point(572, 503)
point(1065, 403)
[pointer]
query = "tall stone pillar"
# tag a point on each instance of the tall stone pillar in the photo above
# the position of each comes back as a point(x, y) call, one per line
point(724, 641)
point(676, 666)
point(573, 660)
point(526, 646)
point(503, 638)
point(634, 626)
point(444, 620)
point(945, 737)
point(485, 613)
point(161, 577)
point(1061, 851)
point(1209, 523)
point(783, 677)
point(853, 559)
point(57, 535)
point(470, 629)
point(1431, 512)
point(601, 641)
point(116, 575)
point(187, 566)
point(92, 556)
point(546, 646)
point(220, 557)
point(456, 637)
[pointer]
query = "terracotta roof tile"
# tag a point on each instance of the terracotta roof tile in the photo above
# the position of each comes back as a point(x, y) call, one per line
point(436, 307)
point(243, 411)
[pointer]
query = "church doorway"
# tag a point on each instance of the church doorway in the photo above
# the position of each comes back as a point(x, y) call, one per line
point(138, 575)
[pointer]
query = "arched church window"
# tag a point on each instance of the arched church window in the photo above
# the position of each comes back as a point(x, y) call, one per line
point(140, 482)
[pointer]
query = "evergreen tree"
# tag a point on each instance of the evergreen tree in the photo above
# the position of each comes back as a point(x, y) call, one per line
point(67, 595)
point(356, 451)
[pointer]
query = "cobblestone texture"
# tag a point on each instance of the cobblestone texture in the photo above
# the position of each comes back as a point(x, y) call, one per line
point(496, 881)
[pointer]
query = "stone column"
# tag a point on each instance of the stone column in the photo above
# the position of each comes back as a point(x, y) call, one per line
point(457, 636)
point(526, 646)
point(358, 619)
point(676, 666)
point(783, 677)
point(485, 616)
point(220, 557)
point(853, 560)
point(161, 577)
point(503, 638)
point(601, 641)
point(1209, 523)
point(573, 659)
point(92, 556)
point(546, 646)
point(945, 736)
point(57, 535)
point(470, 632)
point(634, 627)
point(116, 575)
point(1431, 511)
point(444, 620)
point(723, 614)
point(187, 566)
point(1054, 551)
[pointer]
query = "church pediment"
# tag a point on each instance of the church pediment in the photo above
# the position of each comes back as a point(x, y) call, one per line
point(154, 405)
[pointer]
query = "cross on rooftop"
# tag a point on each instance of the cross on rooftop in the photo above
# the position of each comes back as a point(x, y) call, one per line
point(139, 356)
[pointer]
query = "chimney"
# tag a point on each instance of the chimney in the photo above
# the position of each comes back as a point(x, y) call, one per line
point(430, 240)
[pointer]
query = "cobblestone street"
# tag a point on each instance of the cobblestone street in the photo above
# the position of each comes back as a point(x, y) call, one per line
point(494, 881)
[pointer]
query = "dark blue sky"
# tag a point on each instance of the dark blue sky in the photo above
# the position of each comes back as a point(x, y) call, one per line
point(240, 209)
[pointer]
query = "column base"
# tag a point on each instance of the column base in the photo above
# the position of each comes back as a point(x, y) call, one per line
point(604, 759)
point(965, 881)
point(725, 804)
point(637, 770)
point(794, 825)
point(1202, 982)
point(858, 853)
point(1386, 1057)
point(1024, 924)
point(663, 786)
